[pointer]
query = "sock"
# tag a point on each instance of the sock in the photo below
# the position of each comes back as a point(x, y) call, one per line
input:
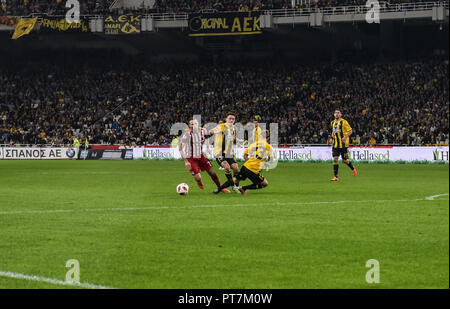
point(237, 180)
point(226, 185)
point(229, 177)
point(252, 187)
point(216, 180)
point(199, 182)
point(336, 169)
point(350, 165)
point(229, 181)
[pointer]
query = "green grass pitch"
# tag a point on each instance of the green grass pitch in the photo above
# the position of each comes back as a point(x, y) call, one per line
point(127, 227)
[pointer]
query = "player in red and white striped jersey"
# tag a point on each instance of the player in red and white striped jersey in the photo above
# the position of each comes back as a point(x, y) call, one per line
point(191, 150)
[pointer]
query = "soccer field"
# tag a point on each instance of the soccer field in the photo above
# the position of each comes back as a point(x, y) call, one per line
point(127, 227)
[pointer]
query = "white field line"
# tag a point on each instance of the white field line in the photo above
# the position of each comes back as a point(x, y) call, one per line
point(18, 212)
point(13, 275)
point(432, 197)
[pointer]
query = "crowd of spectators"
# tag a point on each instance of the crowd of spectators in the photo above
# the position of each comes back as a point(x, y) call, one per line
point(88, 7)
point(50, 7)
point(52, 99)
point(175, 6)
point(162, 6)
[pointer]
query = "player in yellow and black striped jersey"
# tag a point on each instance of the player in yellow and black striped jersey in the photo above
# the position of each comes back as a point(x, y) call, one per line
point(253, 131)
point(340, 133)
point(225, 140)
point(256, 132)
point(256, 155)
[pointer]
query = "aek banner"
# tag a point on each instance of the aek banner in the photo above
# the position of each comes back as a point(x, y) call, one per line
point(60, 24)
point(220, 24)
point(37, 153)
point(122, 24)
point(372, 154)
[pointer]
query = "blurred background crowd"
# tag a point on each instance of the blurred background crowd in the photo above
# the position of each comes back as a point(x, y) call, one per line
point(111, 99)
point(57, 7)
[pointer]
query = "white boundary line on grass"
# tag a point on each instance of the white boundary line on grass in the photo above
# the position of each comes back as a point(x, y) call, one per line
point(432, 197)
point(13, 275)
point(18, 212)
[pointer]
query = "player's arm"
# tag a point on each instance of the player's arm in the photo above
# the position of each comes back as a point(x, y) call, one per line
point(246, 154)
point(180, 148)
point(207, 134)
point(344, 139)
point(330, 140)
point(216, 130)
point(330, 137)
point(349, 131)
point(206, 143)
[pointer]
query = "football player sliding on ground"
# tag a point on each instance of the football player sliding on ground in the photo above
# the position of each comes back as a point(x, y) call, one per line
point(191, 150)
point(256, 156)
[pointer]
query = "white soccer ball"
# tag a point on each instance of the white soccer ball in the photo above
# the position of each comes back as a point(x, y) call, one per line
point(182, 189)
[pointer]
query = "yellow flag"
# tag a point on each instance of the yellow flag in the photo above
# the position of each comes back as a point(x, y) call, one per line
point(23, 27)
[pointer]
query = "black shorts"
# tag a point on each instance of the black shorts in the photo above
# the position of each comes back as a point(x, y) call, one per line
point(245, 173)
point(340, 152)
point(230, 161)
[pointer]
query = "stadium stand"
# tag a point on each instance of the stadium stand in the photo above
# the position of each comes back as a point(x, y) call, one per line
point(53, 100)
point(57, 7)
point(54, 7)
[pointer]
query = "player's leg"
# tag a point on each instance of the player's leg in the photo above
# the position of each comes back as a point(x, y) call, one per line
point(223, 163)
point(195, 172)
point(228, 174)
point(335, 165)
point(346, 161)
point(224, 186)
point(233, 181)
point(258, 182)
point(213, 176)
point(235, 168)
point(205, 165)
point(198, 179)
point(226, 165)
point(238, 178)
point(216, 180)
point(256, 186)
